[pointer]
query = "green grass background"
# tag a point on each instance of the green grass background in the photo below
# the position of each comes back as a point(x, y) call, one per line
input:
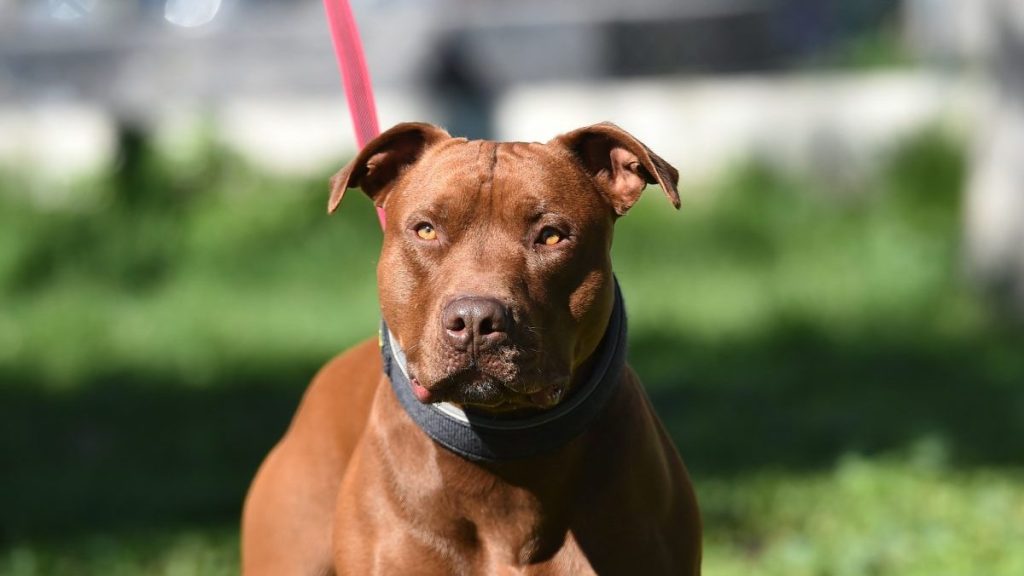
point(846, 403)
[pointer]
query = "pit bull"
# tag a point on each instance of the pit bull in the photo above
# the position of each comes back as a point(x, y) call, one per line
point(494, 426)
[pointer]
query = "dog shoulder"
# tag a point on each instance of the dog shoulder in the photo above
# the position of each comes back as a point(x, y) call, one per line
point(342, 391)
point(360, 362)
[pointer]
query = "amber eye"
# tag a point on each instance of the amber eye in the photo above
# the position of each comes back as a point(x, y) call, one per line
point(426, 231)
point(550, 236)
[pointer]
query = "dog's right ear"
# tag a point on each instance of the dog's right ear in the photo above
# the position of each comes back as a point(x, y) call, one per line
point(382, 160)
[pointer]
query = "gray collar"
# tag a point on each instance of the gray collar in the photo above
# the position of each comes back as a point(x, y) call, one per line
point(485, 439)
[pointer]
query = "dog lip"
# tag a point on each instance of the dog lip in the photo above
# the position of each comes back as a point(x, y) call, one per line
point(454, 386)
point(422, 394)
point(514, 394)
point(440, 390)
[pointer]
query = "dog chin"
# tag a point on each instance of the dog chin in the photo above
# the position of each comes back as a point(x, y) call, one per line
point(469, 388)
point(497, 398)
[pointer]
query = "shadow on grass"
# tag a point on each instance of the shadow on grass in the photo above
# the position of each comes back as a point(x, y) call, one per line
point(134, 450)
point(799, 399)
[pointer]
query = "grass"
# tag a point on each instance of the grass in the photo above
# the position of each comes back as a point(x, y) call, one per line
point(865, 516)
point(184, 552)
point(846, 402)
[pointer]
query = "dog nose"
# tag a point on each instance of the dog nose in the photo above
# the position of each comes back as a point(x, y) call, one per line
point(476, 322)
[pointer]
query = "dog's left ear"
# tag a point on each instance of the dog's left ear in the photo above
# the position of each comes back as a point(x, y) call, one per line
point(621, 164)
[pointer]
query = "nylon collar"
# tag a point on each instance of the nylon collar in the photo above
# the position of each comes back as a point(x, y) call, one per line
point(485, 439)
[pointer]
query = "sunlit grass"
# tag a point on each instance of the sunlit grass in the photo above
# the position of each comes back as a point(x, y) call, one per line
point(886, 516)
point(908, 516)
point(183, 552)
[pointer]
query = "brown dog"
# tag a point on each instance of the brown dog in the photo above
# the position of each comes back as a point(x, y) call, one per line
point(497, 429)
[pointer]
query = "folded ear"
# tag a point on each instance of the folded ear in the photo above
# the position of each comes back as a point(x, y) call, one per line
point(376, 168)
point(621, 164)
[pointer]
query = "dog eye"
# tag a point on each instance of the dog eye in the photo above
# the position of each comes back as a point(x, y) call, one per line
point(426, 231)
point(549, 236)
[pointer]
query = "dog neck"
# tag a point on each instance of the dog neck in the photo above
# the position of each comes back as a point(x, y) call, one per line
point(484, 439)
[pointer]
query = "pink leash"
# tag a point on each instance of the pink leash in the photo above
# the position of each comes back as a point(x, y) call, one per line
point(348, 49)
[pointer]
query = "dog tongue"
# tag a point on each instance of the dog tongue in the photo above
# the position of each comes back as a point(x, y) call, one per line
point(421, 393)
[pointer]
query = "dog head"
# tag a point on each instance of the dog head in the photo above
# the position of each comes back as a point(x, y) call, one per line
point(495, 273)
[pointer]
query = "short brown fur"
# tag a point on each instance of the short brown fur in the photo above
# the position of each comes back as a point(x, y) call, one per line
point(355, 487)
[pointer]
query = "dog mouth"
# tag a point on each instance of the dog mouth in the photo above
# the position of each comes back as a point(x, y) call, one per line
point(473, 388)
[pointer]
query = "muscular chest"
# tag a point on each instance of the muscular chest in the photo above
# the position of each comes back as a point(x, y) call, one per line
point(445, 517)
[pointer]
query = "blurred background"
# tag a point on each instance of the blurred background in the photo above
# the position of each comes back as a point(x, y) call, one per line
point(832, 327)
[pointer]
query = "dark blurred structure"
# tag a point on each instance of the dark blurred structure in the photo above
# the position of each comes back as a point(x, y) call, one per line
point(127, 58)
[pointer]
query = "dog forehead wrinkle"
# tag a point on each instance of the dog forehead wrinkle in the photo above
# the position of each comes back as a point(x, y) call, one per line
point(487, 159)
point(444, 194)
point(517, 177)
point(471, 200)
